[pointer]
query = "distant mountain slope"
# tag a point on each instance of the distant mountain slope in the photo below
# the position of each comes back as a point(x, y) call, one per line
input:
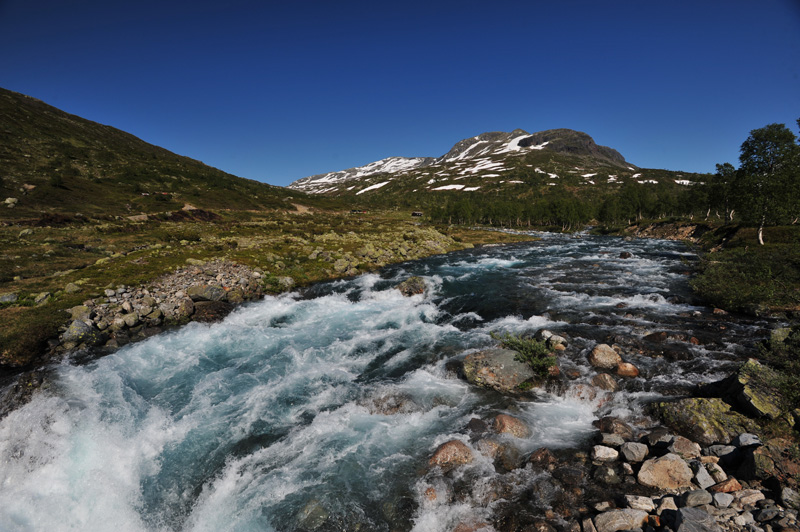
point(55, 162)
point(516, 164)
point(485, 154)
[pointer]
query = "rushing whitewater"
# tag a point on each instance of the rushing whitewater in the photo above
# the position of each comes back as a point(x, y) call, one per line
point(277, 417)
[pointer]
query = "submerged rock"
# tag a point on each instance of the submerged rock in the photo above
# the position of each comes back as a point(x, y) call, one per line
point(411, 286)
point(451, 454)
point(505, 424)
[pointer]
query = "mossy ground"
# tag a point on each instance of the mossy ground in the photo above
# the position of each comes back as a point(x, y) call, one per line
point(93, 255)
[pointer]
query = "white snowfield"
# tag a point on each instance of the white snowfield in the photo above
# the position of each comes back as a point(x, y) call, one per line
point(474, 159)
point(373, 187)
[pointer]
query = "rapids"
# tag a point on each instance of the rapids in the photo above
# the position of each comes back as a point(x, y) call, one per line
point(319, 409)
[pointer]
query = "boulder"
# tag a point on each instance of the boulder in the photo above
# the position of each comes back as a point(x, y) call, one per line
point(669, 472)
point(684, 447)
point(614, 425)
point(634, 452)
point(701, 476)
point(72, 288)
point(694, 498)
point(601, 453)
point(755, 390)
point(451, 454)
point(81, 312)
point(637, 502)
point(10, 297)
point(695, 520)
point(505, 424)
point(79, 332)
point(205, 292)
point(705, 421)
point(42, 298)
point(412, 286)
point(722, 500)
point(497, 369)
point(604, 381)
point(626, 369)
point(603, 356)
point(614, 520)
point(729, 485)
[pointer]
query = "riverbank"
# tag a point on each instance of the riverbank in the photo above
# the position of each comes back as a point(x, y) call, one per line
point(121, 279)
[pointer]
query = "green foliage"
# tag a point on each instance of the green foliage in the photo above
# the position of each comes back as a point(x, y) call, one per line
point(530, 351)
point(767, 185)
point(749, 278)
point(784, 356)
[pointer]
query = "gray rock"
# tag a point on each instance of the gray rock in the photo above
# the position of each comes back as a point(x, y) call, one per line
point(694, 498)
point(611, 440)
point(701, 476)
point(206, 292)
point(72, 288)
point(285, 282)
point(9, 297)
point(660, 438)
point(110, 293)
point(602, 453)
point(640, 503)
point(722, 500)
point(42, 298)
point(747, 440)
point(790, 498)
point(615, 520)
point(634, 452)
point(131, 320)
point(79, 332)
point(81, 312)
point(25, 232)
point(721, 450)
point(766, 514)
point(695, 520)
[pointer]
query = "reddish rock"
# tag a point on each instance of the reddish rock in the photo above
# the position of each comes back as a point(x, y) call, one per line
point(685, 448)
point(505, 424)
point(626, 369)
point(656, 337)
point(694, 341)
point(728, 485)
point(720, 312)
point(451, 454)
point(542, 459)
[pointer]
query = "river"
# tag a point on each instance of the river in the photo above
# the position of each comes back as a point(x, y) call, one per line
point(277, 417)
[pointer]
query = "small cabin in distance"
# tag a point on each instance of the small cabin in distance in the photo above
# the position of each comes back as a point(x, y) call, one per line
point(416, 213)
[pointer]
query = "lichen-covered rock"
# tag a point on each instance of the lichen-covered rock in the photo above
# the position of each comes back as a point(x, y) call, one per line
point(603, 356)
point(668, 472)
point(634, 452)
point(754, 386)
point(10, 297)
point(206, 292)
point(451, 454)
point(704, 420)
point(412, 286)
point(79, 332)
point(505, 424)
point(497, 369)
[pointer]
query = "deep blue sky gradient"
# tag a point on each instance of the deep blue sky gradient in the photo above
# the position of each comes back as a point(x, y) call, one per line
point(276, 91)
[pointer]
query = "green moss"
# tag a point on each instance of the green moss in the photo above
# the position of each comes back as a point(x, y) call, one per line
point(529, 351)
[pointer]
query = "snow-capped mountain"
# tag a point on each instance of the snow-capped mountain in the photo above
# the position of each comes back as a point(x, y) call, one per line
point(488, 155)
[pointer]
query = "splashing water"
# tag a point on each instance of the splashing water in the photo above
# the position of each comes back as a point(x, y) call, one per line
point(319, 411)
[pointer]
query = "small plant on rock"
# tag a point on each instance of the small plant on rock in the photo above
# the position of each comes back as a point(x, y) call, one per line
point(529, 351)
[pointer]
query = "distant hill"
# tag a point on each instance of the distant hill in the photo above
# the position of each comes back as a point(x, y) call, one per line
point(516, 164)
point(55, 162)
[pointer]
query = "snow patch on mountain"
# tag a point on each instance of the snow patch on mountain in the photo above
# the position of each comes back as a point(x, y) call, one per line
point(372, 187)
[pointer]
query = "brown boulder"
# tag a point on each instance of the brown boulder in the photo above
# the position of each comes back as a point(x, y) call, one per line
point(505, 424)
point(670, 472)
point(604, 356)
point(451, 454)
point(728, 485)
point(626, 369)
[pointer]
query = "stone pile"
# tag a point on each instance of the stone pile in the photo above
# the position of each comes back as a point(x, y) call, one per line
point(198, 292)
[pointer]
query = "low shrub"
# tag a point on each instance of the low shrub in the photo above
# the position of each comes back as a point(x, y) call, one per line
point(530, 351)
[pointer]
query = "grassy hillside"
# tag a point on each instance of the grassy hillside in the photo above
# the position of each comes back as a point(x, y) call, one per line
point(55, 162)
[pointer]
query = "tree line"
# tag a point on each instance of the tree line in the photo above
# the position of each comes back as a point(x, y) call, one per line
point(764, 190)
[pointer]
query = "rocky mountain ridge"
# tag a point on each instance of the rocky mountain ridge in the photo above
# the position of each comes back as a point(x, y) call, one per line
point(485, 155)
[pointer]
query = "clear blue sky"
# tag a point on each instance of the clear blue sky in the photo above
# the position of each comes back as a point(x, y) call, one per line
point(276, 91)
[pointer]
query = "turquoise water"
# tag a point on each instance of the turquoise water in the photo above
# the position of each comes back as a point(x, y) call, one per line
point(268, 420)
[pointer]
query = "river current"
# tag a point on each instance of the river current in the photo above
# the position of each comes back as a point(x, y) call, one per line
point(277, 417)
